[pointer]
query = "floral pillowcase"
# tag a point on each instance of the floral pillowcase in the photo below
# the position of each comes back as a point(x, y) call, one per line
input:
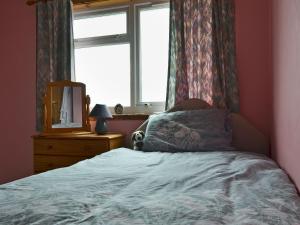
point(195, 130)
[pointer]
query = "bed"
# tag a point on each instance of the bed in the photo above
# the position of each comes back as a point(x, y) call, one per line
point(124, 186)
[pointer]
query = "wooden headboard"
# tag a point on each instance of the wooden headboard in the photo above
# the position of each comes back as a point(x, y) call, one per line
point(245, 137)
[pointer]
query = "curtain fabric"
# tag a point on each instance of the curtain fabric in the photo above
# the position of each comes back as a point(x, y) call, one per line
point(55, 48)
point(202, 53)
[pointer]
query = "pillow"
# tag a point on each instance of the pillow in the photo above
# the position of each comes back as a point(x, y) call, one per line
point(195, 130)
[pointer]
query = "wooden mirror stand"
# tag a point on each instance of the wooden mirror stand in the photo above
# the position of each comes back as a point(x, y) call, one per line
point(66, 108)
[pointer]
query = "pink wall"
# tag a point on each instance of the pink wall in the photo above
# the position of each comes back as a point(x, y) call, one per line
point(286, 64)
point(254, 65)
point(126, 127)
point(17, 92)
point(17, 42)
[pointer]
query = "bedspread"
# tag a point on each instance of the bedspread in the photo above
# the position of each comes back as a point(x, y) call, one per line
point(130, 187)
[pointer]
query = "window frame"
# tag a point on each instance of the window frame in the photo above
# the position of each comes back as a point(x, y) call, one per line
point(105, 39)
point(132, 38)
point(138, 8)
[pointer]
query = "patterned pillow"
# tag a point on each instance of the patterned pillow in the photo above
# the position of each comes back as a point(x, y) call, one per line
point(195, 130)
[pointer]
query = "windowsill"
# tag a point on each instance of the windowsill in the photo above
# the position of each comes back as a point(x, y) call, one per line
point(126, 117)
point(130, 116)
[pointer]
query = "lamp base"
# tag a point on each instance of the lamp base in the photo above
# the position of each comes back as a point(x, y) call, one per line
point(101, 127)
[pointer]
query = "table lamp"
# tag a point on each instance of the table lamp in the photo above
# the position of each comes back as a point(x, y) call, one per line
point(101, 113)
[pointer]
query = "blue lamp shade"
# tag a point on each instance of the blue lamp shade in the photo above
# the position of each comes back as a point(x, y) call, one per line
point(101, 112)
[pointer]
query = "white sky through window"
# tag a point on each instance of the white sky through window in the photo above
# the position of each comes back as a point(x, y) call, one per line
point(100, 26)
point(154, 39)
point(106, 72)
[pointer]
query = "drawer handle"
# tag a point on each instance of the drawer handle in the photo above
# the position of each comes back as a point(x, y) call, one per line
point(50, 147)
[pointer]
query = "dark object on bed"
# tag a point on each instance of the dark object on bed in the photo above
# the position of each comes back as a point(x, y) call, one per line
point(245, 137)
point(137, 139)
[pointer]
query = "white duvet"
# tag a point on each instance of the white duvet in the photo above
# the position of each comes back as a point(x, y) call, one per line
point(130, 187)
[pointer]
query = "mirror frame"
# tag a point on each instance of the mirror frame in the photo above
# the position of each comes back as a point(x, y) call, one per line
point(86, 127)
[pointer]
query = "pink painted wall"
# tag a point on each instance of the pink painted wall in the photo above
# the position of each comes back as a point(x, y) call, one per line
point(254, 61)
point(286, 67)
point(17, 57)
point(126, 127)
point(17, 92)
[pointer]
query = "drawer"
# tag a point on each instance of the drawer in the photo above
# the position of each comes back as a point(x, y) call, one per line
point(70, 147)
point(116, 143)
point(43, 163)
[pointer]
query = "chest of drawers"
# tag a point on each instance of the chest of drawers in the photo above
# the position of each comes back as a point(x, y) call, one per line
point(55, 151)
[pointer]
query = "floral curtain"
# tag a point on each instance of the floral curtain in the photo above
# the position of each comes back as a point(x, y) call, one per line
point(202, 53)
point(55, 48)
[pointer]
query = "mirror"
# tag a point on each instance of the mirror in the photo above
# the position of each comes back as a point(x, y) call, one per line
point(66, 104)
point(66, 107)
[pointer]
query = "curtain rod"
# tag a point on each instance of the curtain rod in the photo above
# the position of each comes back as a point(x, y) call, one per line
point(32, 2)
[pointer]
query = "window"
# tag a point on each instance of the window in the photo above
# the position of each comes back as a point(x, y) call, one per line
point(121, 55)
point(153, 50)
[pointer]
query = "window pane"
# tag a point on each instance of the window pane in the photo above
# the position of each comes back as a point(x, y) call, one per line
point(100, 25)
point(154, 45)
point(106, 72)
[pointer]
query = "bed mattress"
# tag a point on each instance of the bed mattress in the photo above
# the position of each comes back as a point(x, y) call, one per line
point(131, 187)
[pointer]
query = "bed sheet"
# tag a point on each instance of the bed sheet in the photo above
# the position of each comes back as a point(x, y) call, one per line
point(131, 187)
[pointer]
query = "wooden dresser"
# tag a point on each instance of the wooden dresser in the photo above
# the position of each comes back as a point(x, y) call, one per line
point(61, 150)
